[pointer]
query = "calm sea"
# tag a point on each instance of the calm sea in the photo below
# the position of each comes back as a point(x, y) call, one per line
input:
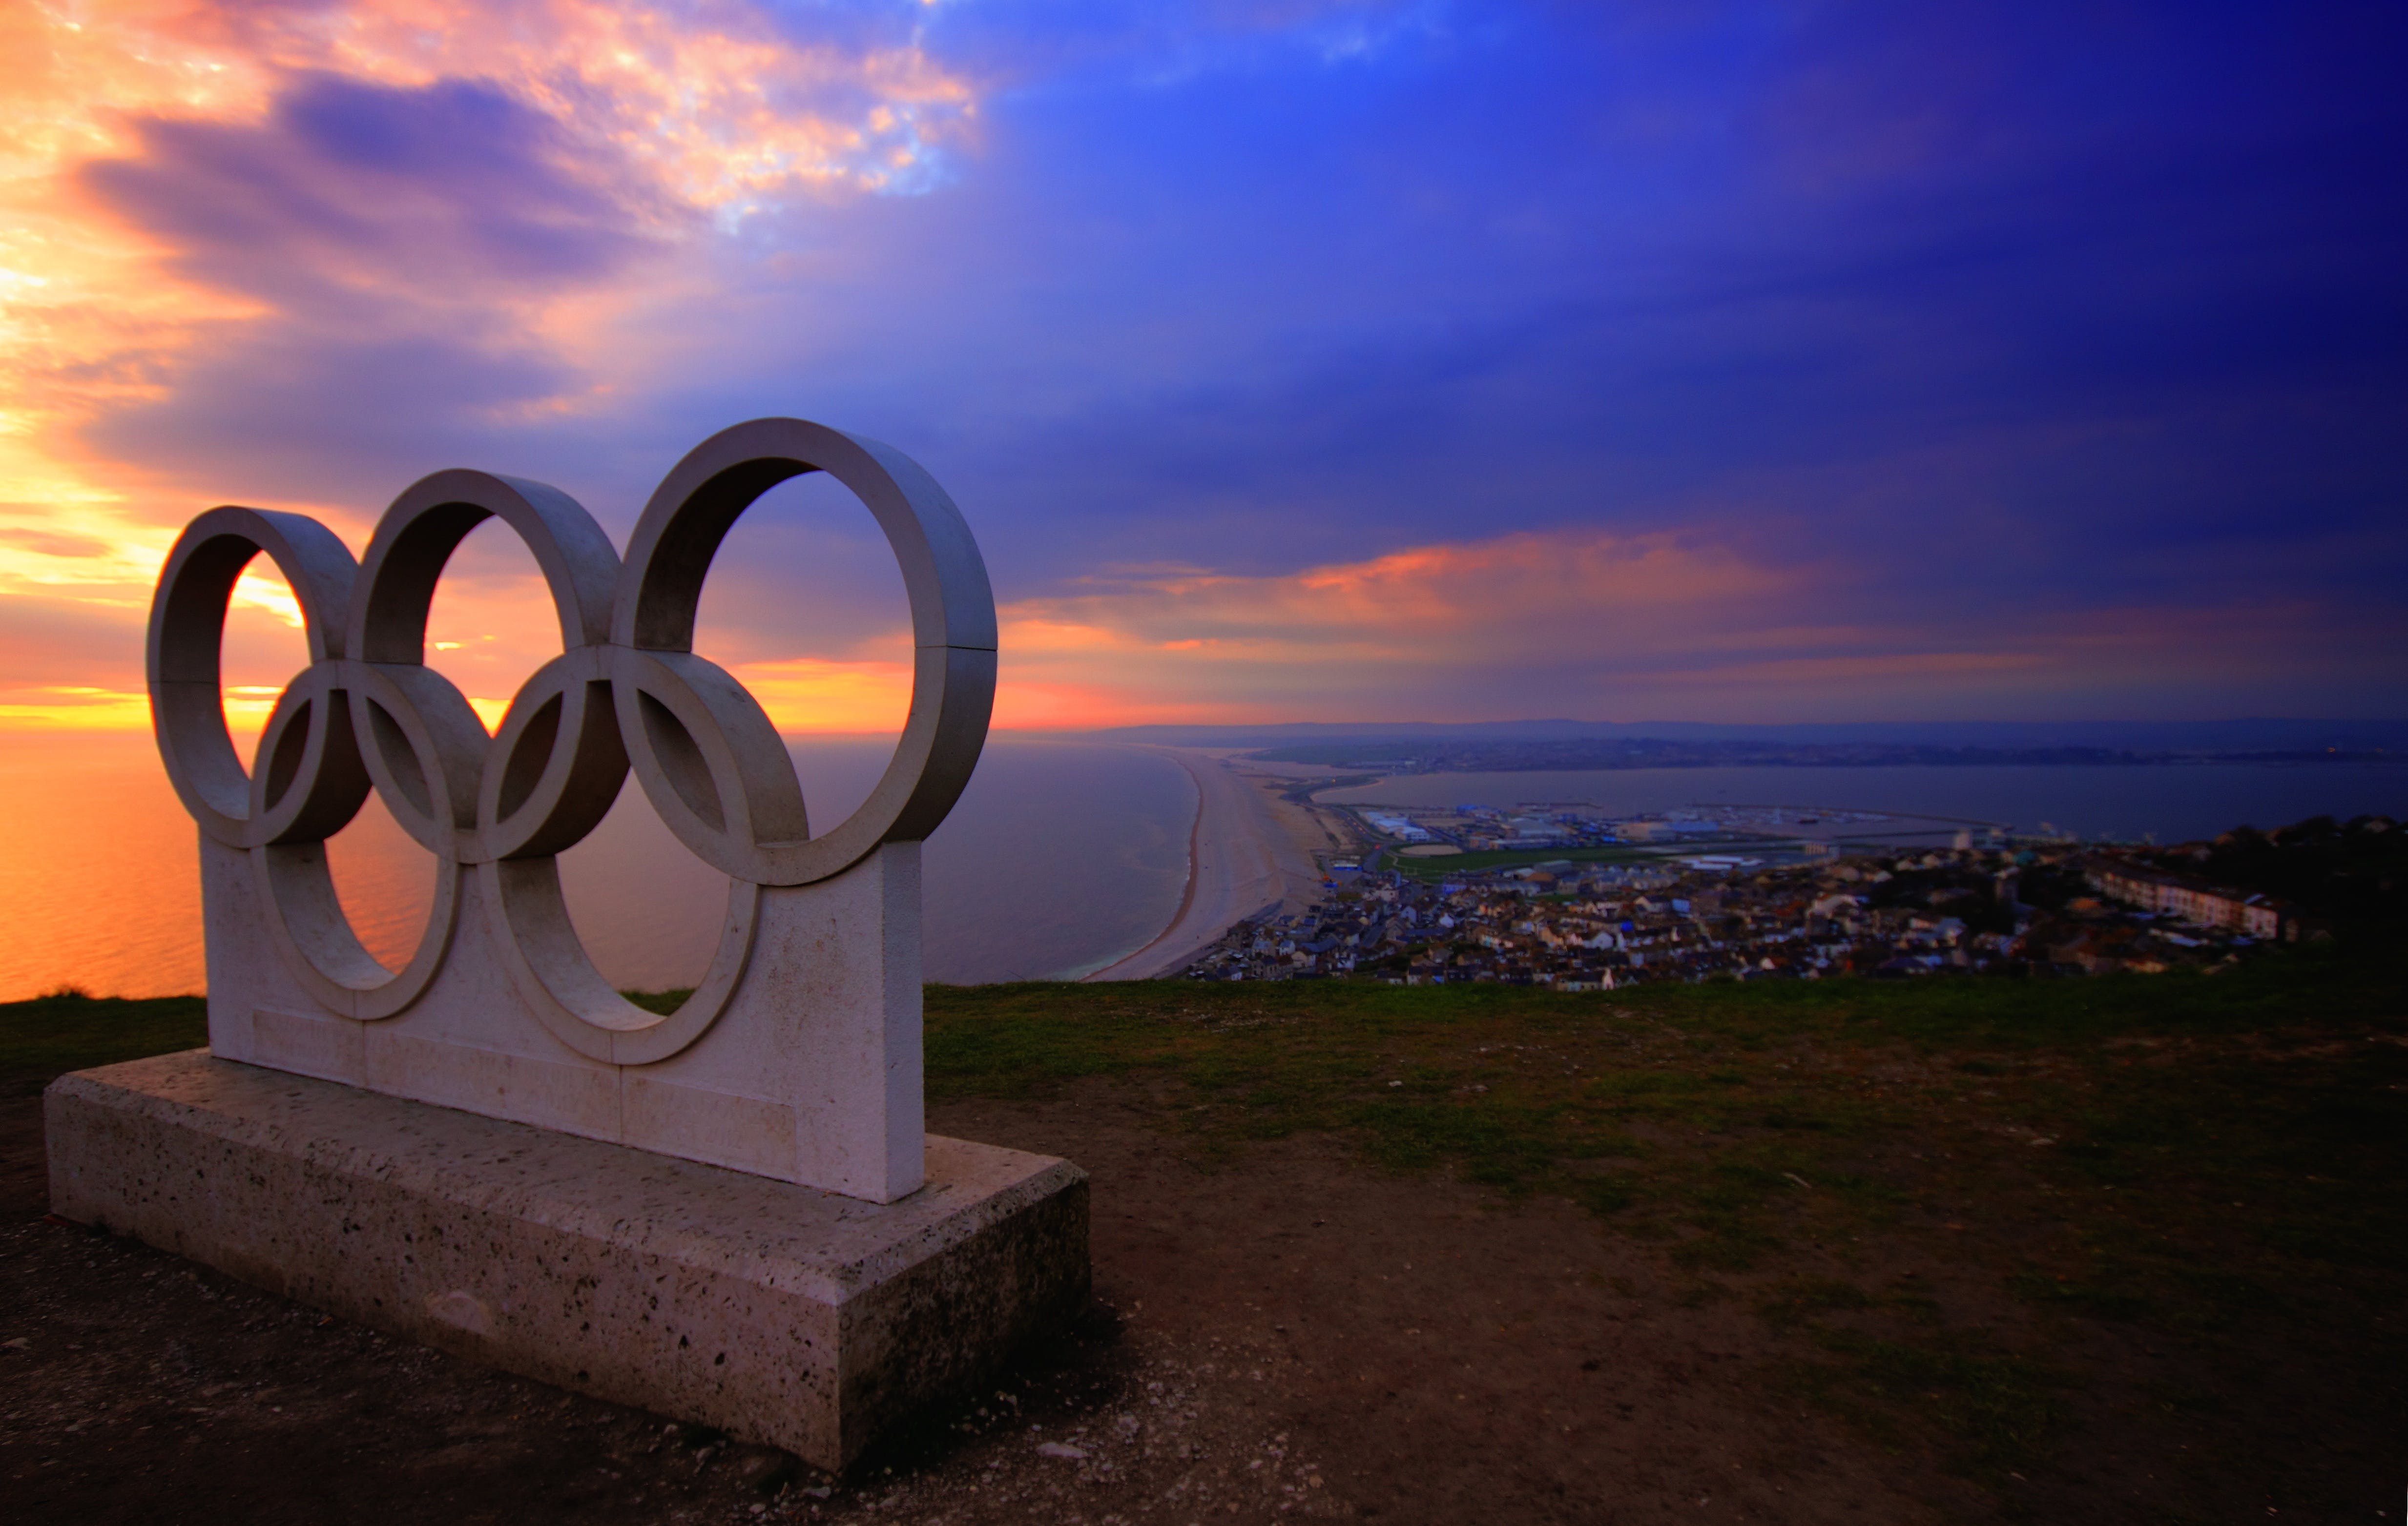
point(2172, 803)
point(1061, 858)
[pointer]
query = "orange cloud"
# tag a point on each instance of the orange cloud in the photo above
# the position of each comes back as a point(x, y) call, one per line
point(1577, 622)
point(78, 707)
point(1327, 642)
point(1593, 624)
point(695, 116)
point(815, 694)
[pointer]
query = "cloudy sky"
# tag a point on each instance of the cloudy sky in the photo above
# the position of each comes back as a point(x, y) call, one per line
point(1293, 359)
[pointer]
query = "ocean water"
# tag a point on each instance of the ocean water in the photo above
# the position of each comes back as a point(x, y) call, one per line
point(1061, 858)
point(2172, 803)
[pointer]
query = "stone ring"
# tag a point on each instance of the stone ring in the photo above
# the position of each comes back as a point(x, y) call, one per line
point(627, 691)
point(705, 753)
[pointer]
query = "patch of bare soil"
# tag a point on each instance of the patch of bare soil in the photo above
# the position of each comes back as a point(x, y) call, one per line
point(1287, 1333)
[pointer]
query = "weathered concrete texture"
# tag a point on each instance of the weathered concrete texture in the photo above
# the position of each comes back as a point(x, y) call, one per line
point(810, 1074)
point(779, 1313)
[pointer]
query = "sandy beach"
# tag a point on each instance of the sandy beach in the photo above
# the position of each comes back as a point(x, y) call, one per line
point(1251, 852)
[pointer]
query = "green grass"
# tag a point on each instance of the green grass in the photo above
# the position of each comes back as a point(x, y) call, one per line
point(1455, 864)
point(69, 1031)
point(1521, 1088)
point(1515, 857)
point(2000, 1411)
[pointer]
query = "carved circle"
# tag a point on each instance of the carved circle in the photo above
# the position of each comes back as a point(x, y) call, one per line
point(708, 757)
point(185, 658)
point(627, 691)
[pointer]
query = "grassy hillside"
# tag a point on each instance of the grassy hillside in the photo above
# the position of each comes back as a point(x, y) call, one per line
point(2215, 1165)
point(1694, 1110)
point(48, 1035)
point(2219, 1164)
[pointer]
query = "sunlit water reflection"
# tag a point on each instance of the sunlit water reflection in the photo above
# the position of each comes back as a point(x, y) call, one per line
point(1061, 857)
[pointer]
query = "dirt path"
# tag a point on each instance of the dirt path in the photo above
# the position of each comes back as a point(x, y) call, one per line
point(1297, 1337)
point(1429, 1352)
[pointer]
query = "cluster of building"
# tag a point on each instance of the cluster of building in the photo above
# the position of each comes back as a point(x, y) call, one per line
point(2190, 900)
point(2049, 909)
point(1423, 830)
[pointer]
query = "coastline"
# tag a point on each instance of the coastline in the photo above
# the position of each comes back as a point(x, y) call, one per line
point(1247, 853)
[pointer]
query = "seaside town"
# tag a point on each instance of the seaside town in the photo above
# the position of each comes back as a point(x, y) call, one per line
point(1467, 895)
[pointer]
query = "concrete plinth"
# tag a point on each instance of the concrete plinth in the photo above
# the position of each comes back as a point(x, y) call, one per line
point(798, 1058)
point(778, 1313)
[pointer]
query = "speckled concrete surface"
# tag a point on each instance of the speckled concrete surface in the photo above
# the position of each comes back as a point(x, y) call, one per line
point(779, 1313)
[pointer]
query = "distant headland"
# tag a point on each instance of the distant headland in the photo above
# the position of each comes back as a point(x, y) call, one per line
point(1526, 746)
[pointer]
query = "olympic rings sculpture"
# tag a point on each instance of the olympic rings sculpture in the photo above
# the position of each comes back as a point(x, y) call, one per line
point(626, 692)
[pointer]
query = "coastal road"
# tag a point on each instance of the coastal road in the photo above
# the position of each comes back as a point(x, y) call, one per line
point(1250, 851)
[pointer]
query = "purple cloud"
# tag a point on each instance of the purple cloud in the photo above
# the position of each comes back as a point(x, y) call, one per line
point(353, 194)
point(2035, 315)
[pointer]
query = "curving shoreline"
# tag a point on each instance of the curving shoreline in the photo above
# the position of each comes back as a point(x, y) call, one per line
point(1242, 859)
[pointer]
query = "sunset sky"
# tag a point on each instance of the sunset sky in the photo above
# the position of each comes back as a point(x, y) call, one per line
point(1293, 360)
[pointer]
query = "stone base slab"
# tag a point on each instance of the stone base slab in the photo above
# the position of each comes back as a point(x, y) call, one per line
point(778, 1313)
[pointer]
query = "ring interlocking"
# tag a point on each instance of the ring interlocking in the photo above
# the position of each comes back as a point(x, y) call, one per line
point(628, 693)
